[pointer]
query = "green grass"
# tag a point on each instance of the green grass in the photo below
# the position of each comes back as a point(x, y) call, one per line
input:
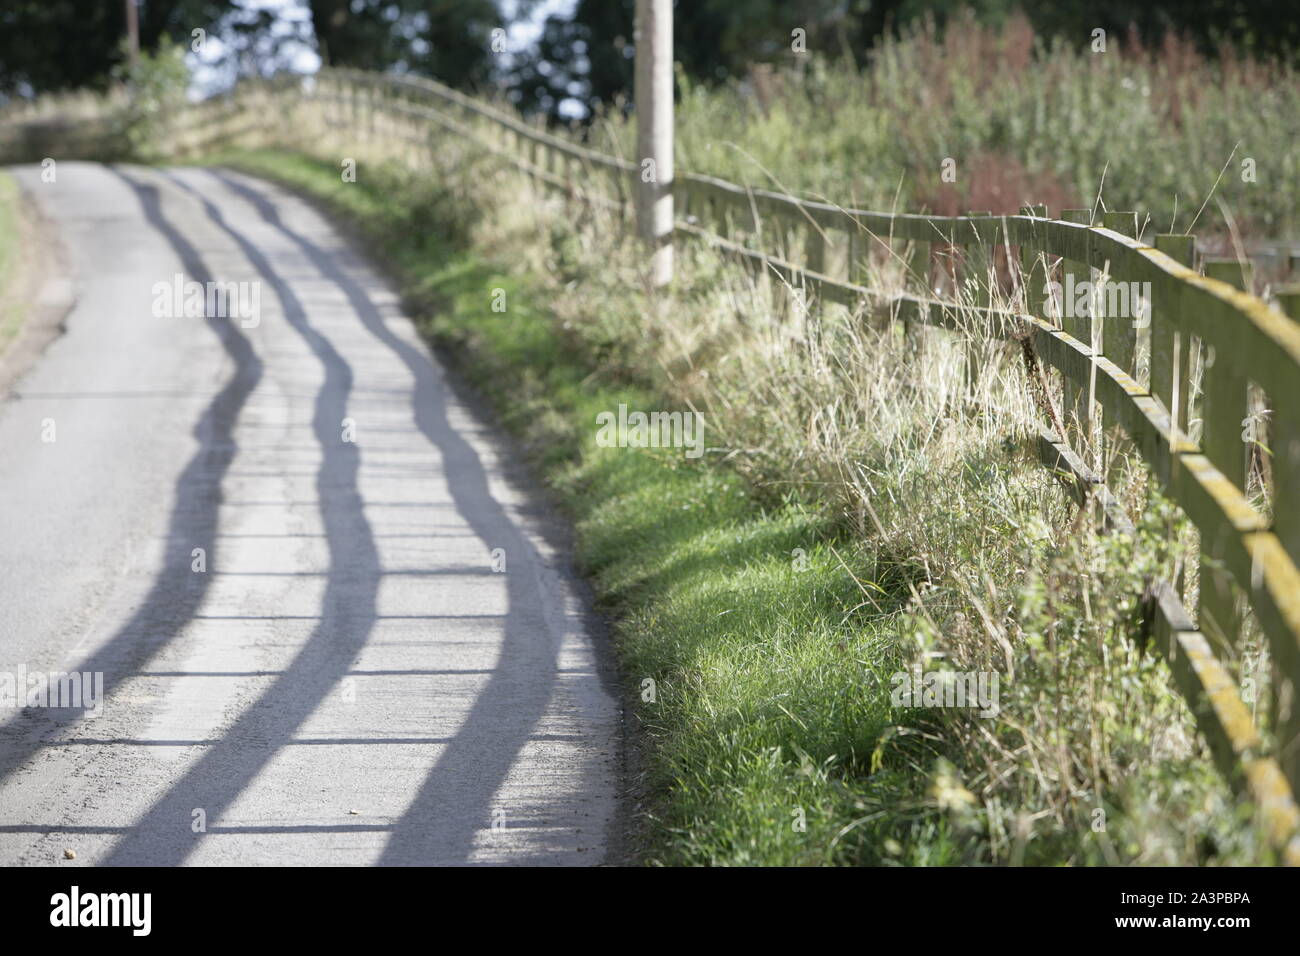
point(11, 312)
point(768, 627)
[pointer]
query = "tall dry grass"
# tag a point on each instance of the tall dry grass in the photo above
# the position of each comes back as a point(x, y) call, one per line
point(1027, 120)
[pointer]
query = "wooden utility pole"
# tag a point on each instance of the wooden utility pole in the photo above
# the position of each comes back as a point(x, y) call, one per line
point(653, 93)
point(133, 33)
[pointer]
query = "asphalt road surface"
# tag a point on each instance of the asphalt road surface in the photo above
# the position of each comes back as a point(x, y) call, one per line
point(333, 623)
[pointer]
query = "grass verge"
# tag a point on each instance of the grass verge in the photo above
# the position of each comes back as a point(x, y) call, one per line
point(11, 312)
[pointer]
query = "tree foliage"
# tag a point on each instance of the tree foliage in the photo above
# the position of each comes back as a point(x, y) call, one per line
point(53, 45)
point(587, 57)
point(446, 39)
point(583, 56)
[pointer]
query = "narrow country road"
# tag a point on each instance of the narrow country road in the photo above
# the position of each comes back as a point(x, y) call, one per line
point(332, 622)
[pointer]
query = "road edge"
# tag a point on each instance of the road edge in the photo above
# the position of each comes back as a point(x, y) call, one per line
point(42, 281)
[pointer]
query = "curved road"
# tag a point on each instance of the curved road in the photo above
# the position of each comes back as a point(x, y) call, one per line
point(331, 622)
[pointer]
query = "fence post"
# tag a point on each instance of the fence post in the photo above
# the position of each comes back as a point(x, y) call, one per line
point(1224, 408)
point(1119, 336)
point(859, 272)
point(1284, 439)
point(1033, 267)
point(814, 249)
point(653, 93)
point(1074, 272)
point(1223, 395)
point(1169, 345)
point(976, 257)
point(918, 264)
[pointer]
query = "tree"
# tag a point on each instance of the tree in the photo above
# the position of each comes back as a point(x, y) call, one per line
point(450, 40)
point(588, 56)
point(52, 45)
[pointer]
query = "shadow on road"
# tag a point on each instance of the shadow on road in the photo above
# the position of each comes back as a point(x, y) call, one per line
point(455, 801)
point(163, 836)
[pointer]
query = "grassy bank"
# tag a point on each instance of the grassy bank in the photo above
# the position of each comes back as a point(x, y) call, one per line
point(851, 520)
point(11, 311)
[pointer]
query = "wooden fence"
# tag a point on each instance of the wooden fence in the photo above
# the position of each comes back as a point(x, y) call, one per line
point(1203, 383)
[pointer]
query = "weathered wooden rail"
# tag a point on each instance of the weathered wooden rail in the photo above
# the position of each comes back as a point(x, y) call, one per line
point(1187, 384)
